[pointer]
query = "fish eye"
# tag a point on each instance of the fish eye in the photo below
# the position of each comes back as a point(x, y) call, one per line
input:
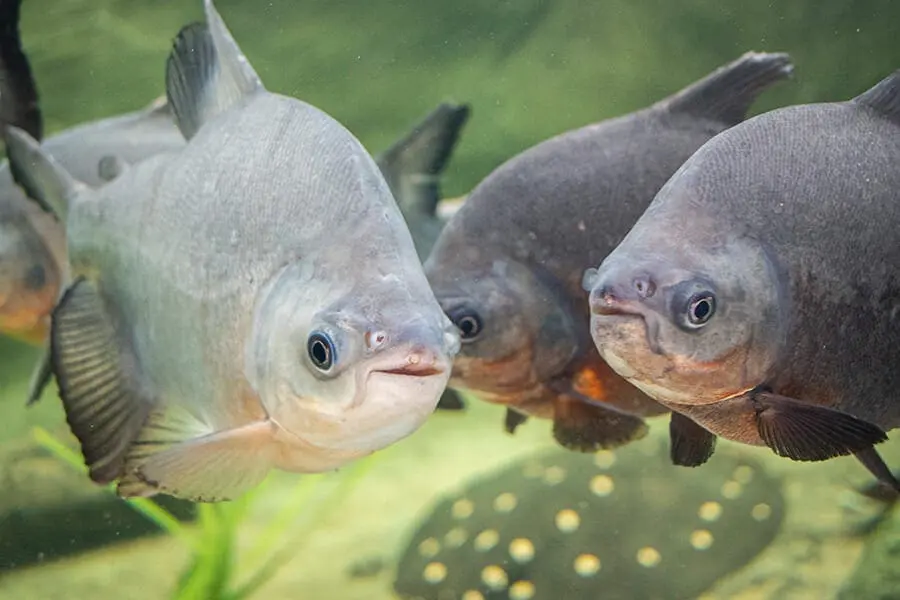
point(467, 322)
point(700, 309)
point(321, 351)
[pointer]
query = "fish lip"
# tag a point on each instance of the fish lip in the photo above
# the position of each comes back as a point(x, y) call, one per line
point(611, 307)
point(414, 370)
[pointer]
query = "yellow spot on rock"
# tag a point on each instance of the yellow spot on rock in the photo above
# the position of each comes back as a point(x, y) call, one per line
point(761, 511)
point(486, 540)
point(743, 474)
point(604, 459)
point(731, 489)
point(462, 509)
point(587, 565)
point(456, 537)
point(602, 485)
point(521, 590)
point(648, 556)
point(494, 577)
point(472, 595)
point(505, 502)
point(554, 475)
point(567, 520)
point(434, 572)
point(710, 511)
point(701, 539)
point(521, 550)
point(429, 547)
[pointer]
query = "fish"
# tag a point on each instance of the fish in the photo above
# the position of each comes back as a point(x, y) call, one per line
point(508, 267)
point(33, 262)
point(616, 524)
point(757, 296)
point(252, 301)
point(412, 167)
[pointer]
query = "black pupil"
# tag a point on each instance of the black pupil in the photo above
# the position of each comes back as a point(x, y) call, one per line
point(320, 353)
point(468, 326)
point(701, 309)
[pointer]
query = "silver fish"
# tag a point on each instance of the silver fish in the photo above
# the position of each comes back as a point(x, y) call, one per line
point(616, 525)
point(252, 301)
point(757, 295)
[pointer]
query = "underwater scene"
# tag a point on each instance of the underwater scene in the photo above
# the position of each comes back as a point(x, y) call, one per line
point(397, 300)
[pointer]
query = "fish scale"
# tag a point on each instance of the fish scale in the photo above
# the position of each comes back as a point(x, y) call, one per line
point(654, 532)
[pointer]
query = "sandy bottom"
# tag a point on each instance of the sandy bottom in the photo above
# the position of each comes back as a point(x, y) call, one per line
point(813, 554)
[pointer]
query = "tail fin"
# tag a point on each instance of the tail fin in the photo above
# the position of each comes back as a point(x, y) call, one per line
point(726, 94)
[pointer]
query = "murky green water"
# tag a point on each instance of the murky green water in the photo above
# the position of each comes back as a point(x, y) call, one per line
point(529, 69)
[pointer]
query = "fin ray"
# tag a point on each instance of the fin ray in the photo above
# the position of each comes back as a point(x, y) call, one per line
point(806, 432)
point(206, 73)
point(585, 427)
point(884, 97)
point(690, 445)
point(104, 408)
point(727, 93)
point(212, 468)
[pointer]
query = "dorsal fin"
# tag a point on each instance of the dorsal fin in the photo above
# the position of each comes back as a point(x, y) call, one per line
point(19, 105)
point(206, 73)
point(421, 155)
point(884, 97)
point(726, 94)
point(42, 179)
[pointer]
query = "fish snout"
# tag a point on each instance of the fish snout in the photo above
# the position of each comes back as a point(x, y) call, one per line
point(419, 360)
point(611, 295)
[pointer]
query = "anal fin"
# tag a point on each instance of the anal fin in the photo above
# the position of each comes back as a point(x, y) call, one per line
point(211, 468)
point(690, 445)
point(585, 427)
point(808, 432)
point(96, 374)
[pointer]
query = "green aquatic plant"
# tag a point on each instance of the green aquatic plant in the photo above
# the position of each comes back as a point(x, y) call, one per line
point(212, 572)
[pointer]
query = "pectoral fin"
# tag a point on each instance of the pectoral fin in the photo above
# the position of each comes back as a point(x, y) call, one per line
point(585, 427)
point(97, 378)
point(807, 432)
point(210, 468)
point(690, 445)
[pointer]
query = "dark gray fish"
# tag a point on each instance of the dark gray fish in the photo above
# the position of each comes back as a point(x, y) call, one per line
point(507, 269)
point(758, 295)
point(616, 525)
point(412, 166)
point(18, 92)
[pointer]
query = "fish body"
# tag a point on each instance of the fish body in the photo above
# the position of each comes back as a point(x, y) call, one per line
point(772, 255)
point(508, 267)
point(616, 525)
point(250, 301)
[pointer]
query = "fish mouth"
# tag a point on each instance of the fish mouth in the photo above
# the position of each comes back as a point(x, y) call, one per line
point(414, 371)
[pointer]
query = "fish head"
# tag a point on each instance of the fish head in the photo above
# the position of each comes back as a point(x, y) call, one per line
point(355, 373)
point(517, 330)
point(29, 281)
point(687, 308)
